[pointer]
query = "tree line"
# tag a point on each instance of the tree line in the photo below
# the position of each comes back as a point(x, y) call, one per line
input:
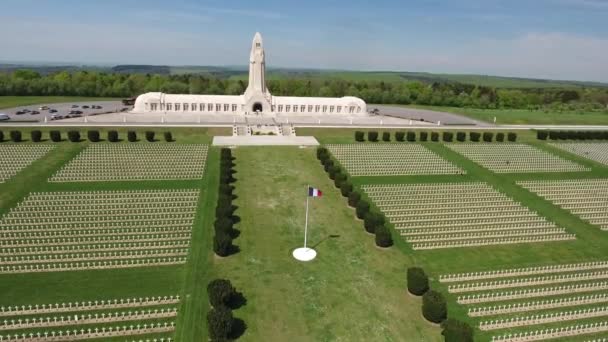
point(102, 84)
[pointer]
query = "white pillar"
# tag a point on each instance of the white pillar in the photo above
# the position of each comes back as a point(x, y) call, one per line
point(124, 118)
point(410, 122)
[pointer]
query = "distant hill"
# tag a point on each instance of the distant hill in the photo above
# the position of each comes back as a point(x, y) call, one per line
point(240, 72)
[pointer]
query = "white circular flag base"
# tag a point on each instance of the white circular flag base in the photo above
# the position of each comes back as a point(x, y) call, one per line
point(304, 254)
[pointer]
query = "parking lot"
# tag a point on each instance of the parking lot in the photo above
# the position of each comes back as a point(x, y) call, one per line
point(62, 109)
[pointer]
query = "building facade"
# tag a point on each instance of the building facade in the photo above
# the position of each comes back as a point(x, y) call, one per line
point(256, 100)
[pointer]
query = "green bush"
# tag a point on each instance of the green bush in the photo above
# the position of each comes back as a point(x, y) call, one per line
point(16, 136)
point(346, 188)
point(434, 136)
point(553, 135)
point(74, 136)
point(222, 244)
point(131, 136)
point(353, 199)
point(322, 153)
point(417, 281)
point(339, 178)
point(434, 307)
point(371, 220)
point(500, 137)
point(1, 136)
point(219, 323)
point(474, 136)
point(457, 331)
point(150, 136)
point(461, 136)
point(411, 136)
point(542, 135)
point(223, 224)
point(448, 136)
point(362, 208)
point(112, 136)
point(512, 137)
point(36, 136)
point(168, 136)
point(55, 136)
point(400, 136)
point(487, 136)
point(424, 136)
point(220, 292)
point(386, 136)
point(359, 136)
point(383, 236)
point(372, 136)
point(93, 136)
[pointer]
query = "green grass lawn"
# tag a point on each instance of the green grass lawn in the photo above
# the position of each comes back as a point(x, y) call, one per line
point(17, 101)
point(353, 291)
point(523, 116)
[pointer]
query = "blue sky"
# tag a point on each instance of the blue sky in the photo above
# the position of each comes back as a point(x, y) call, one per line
point(559, 39)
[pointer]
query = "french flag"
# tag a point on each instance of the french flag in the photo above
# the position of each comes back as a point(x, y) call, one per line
point(313, 192)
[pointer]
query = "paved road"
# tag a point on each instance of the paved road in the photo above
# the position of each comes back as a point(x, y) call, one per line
point(432, 116)
point(62, 108)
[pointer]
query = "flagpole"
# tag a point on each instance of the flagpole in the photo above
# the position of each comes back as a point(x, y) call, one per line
point(306, 220)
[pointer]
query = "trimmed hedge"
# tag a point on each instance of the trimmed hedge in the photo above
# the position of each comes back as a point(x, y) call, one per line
point(500, 137)
point(168, 136)
point(474, 136)
point(542, 135)
point(411, 136)
point(457, 331)
point(461, 136)
point(74, 136)
point(400, 136)
point(448, 136)
point(1, 136)
point(220, 323)
point(512, 137)
point(353, 199)
point(112, 136)
point(150, 136)
point(362, 208)
point(55, 136)
point(487, 136)
point(434, 136)
point(372, 136)
point(131, 136)
point(359, 136)
point(36, 136)
point(424, 136)
point(220, 292)
point(371, 220)
point(383, 236)
point(417, 281)
point(434, 307)
point(16, 136)
point(386, 136)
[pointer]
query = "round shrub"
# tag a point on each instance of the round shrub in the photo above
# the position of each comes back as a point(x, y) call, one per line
point(93, 136)
point(339, 178)
point(500, 137)
point(434, 136)
point(400, 136)
point(222, 244)
point(112, 136)
point(353, 199)
point(168, 136)
point(220, 292)
point(474, 136)
point(383, 236)
point(327, 164)
point(411, 136)
point(1, 136)
point(362, 208)
point(448, 136)
point(150, 136)
point(346, 188)
point(417, 281)
point(386, 136)
point(461, 136)
point(372, 136)
point(333, 171)
point(359, 136)
point(424, 136)
point(487, 136)
point(434, 307)
point(55, 136)
point(74, 136)
point(542, 135)
point(457, 331)
point(371, 220)
point(511, 136)
point(219, 323)
point(131, 136)
point(223, 224)
point(322, 153)
point(16, 136)
point(36, 136)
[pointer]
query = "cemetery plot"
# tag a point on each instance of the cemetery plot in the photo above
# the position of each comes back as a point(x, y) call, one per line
point(79, 230)
point(99, 163)
point(448, 215)
point(14, 158)
point(593, 151)
point(129, 318)
point(587, 198)
point(391, 159)
point(515, 158)
point(536, 303)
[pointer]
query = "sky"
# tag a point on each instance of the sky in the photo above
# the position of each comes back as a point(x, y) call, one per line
point(555, 39)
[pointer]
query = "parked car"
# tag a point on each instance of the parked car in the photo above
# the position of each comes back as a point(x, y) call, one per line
point(27, 110)
point(74, 106)
point(75, 112)
point(56, 116)
point(85, 107)
point(96, 107)
point(43, 108)
point(4, 117)
point(34, 112)
point(52, 110)
point(20, 112)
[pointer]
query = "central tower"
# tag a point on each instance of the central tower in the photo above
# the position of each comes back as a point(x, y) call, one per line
point(257, 97)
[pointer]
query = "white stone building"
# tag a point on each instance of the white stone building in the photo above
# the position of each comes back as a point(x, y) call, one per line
point(257, 100)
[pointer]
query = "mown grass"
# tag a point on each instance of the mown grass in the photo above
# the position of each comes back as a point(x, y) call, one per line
point(18, 101)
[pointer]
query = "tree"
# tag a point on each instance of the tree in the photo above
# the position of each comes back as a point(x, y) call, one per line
point(400, 136)
point(361, 209)
point(1, 136)
point(219, 323)
point(424, 136)
point(322, 153)
point(353, 199)
point(542, 135)
point(487, 136)
point(15, 136)
point(434, 136)
point(383, 236)
point(386, 136)
point(474, 136)
point(168, 136)
point(511, 136)
point(150, 136)
point(220, 292)
point(359, 136)
point(93, 136)
point(500, 137)
point(222, 244)
point(457, 331)
point(461, 136)
point(112, 136)
point(36, 136)
point(372, 136)
point(448, 136)
point(434, 307)
point(371, 220)
point(417, 281)
point(55, 136)
point(131, 136)
point(74, 136)
point(411, 136)
point(346, 188)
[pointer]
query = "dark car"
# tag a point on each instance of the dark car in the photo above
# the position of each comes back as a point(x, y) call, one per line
point(34, 112)
point(56, 117)
point(52, 110)
point(75, 112)
point(20, 112)
point(96, 107)
point(74, 106)
point(85, 107)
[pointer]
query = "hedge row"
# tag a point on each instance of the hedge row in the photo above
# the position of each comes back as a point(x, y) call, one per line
point(374, 222)
point(572, 135)
point(224, 218)
point(223, 297)
point(434, 307)
point(92, 136)
point(434, 136)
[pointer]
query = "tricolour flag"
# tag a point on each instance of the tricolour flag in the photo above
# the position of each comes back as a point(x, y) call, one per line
point(313, 192)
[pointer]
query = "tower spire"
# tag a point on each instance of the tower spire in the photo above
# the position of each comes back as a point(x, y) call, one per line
point(257, 66)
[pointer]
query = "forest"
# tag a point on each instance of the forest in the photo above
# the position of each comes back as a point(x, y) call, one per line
point(26, 82)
